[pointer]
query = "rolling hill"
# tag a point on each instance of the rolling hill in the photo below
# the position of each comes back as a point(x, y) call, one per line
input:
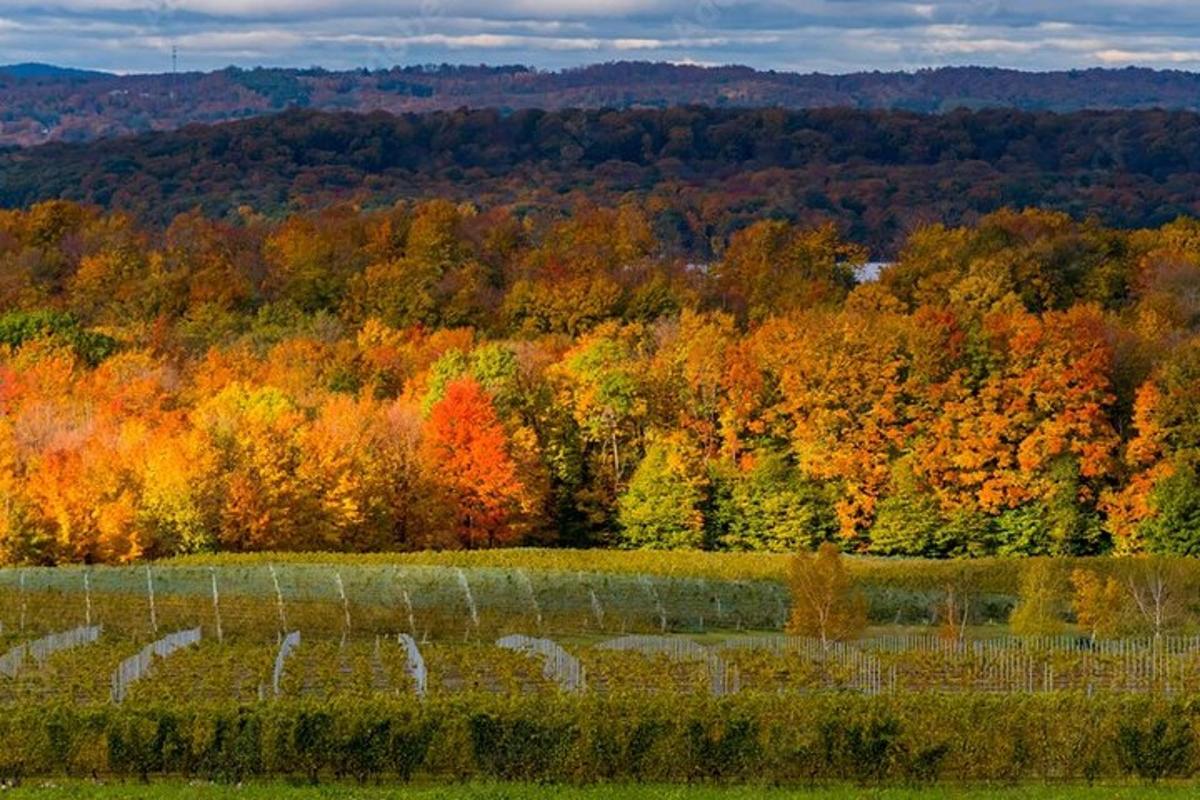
point(42, 103)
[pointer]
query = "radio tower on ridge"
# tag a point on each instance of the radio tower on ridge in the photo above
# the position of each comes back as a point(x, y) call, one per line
point(174, 69)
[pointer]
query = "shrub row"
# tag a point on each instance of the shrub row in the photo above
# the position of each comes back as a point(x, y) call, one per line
point(748, 738)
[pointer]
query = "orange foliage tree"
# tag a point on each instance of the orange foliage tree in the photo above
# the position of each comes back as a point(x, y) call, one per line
point(465, 450)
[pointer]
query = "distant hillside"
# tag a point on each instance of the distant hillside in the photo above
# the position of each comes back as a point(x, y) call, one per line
point(41, 103)
point(878, 174)
point(35, 70)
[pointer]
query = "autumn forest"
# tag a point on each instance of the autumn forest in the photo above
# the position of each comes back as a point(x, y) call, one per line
point(439, 375)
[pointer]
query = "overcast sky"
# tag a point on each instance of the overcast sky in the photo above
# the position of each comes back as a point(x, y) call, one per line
point(799, 35)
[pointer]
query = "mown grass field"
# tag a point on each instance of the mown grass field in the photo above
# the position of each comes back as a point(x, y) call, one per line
point(283, 791)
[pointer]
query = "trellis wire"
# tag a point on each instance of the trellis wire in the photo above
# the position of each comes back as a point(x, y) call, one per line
point(557, 664)
point(497, 601)
point(1005, 664)
point(136, 666)
point(723, 679)
point(286, 647)
point(865, 669)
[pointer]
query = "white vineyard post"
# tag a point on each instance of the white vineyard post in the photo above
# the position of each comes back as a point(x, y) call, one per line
point(412, 620)
point(150, 594)
point(341, 587)
point(537, 610)
point(216, 604)
point(582, 585)
point(466, 586)
point(278, 599)
point(597, 608)
point(286, 646)
point(87, 597)
point(414, 664)
point(24, 600)
point(658, 606)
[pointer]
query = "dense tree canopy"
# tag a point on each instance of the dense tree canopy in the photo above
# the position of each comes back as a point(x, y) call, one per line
point(701, 174)
point(432, 375)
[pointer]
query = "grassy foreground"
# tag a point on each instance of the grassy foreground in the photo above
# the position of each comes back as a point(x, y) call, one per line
point(262, 791)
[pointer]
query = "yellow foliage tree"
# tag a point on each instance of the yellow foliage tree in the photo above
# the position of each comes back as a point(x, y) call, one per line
point(825, 602)
point(1098, 603)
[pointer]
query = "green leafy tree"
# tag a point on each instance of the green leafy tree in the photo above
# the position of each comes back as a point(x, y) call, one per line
point(909, 522)
point(662, 506)
point(771, 507)
point(1041, 598)
point(1174, 526)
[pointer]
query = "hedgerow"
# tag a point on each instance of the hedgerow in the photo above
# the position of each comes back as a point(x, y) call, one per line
point(747, 738)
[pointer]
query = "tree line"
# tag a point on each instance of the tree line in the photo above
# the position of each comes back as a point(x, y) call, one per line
point(433, 375)
point(701, 173)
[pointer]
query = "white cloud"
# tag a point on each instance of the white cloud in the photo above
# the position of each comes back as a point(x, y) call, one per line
point(826, 35)
point(1148, 56)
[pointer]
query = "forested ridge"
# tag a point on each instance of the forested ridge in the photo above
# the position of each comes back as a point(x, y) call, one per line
point(701, 173)
point(39, 103)
point(434, 374)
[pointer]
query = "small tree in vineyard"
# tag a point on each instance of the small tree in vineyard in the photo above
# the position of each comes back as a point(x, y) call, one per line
point(1040, 600)
point(959, 597)
point(1158, 590)
point(825, 602)
point(1098, 603)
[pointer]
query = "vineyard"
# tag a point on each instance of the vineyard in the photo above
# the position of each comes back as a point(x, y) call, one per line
point(461, 670)
point(258, 631)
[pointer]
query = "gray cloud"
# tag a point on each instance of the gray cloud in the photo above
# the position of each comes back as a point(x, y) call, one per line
point(803, 35)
